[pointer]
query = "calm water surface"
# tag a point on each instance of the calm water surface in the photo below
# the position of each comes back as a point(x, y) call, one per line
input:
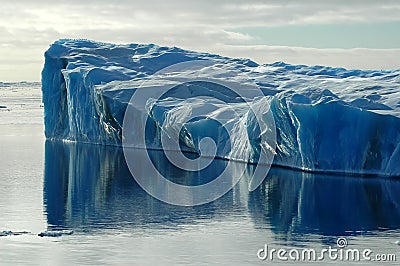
point(88, 189)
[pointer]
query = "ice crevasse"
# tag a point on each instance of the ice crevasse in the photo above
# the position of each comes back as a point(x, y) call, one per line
point(326, 119)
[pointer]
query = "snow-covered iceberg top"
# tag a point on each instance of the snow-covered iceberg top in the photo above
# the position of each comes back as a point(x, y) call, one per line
point(326, 119)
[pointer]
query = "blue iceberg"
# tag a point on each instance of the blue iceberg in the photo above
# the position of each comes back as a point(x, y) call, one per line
point(326, 119)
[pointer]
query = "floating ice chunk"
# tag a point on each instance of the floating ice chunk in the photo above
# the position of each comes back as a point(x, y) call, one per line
point(12, 233)
point(55, 233)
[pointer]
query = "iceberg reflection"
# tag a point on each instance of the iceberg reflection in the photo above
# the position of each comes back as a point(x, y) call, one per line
point(296, 203)
point(89, 187)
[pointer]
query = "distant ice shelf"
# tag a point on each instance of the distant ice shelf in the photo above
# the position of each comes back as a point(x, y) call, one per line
point(327, 119)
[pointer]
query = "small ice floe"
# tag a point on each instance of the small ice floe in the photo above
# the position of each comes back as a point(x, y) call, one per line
point(11, 233)
point(397, 242)
point(55, 233)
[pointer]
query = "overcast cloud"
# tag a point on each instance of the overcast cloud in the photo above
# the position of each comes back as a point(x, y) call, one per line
point(28, 27)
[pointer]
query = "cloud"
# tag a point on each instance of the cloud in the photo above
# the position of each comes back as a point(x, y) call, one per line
point(26, 37)
point(358, 58)
point(28, 27)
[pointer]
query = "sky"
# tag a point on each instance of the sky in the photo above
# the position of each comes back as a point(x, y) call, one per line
point(360, 34)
